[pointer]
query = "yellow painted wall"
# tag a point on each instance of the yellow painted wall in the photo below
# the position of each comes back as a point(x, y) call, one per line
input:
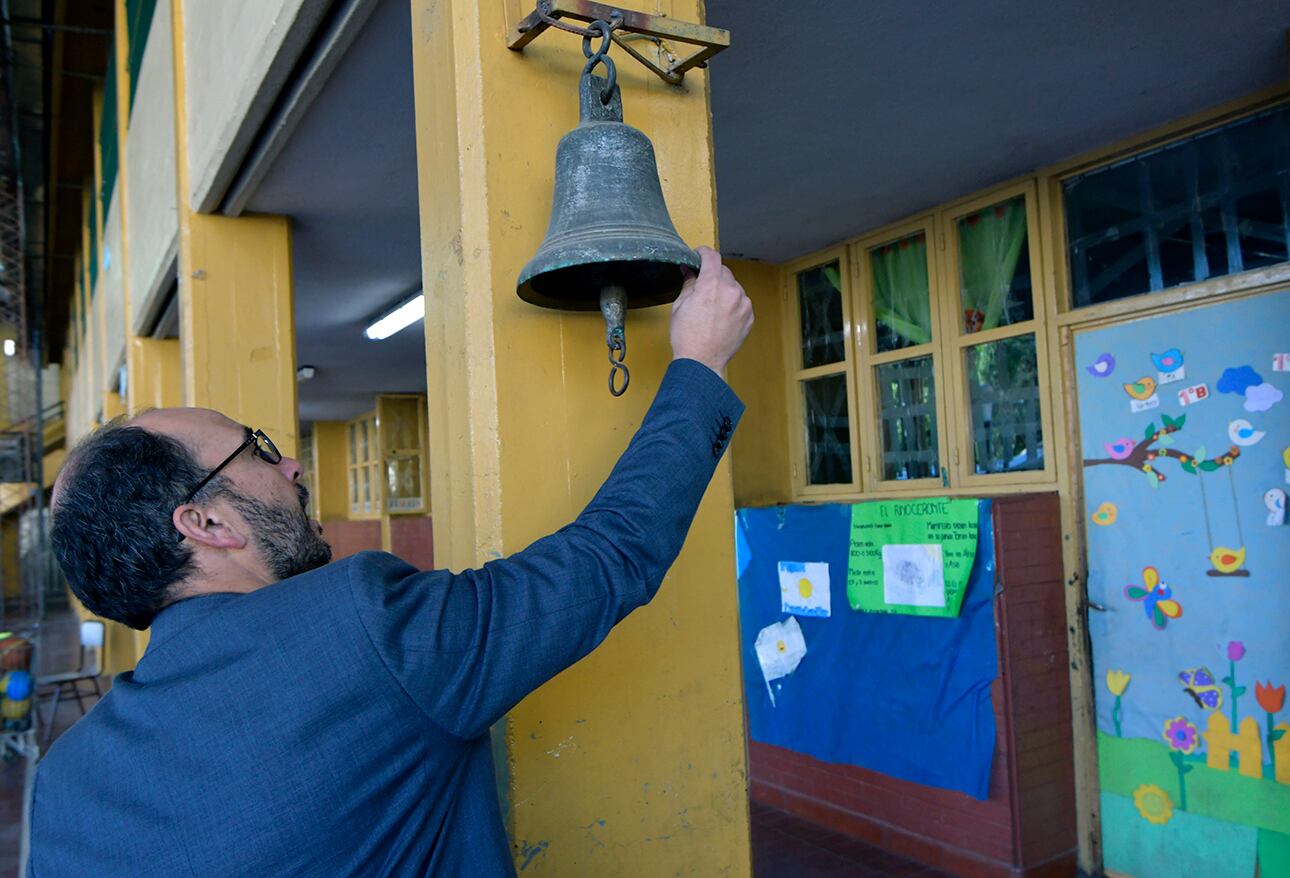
point(650, 777)
point(156, 377)
point(331, 493)
point(759, 452)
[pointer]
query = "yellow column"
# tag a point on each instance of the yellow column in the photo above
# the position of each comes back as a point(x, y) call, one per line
point(156, 376)
point(331, 485)
point(651, 775)
point(237, 330)
point(113, 405)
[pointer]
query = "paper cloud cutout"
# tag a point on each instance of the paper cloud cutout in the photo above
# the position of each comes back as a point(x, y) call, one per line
point(1261, 397)
point(1238, 380)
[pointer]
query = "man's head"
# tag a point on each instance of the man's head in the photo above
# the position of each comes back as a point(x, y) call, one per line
point(132, 537)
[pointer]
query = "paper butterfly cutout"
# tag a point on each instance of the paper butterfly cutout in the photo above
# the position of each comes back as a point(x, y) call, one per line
point(1157, 598)
point(1199, 684)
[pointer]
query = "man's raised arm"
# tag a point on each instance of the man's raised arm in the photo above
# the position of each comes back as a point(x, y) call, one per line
point(468, 646)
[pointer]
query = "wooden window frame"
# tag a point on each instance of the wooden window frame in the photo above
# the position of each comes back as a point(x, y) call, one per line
point(1051, 180)
point(388, 453)
point(797, 440)
point(369, 466)
point(868, 359)
point(962, 467)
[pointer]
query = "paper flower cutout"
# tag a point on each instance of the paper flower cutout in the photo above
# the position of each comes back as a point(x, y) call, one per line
point(1271, 698)
point(1181, 735)
point(1238, 380)
point(1117, 682)
point(1261, 397)
point(1153, 804)
point(1235, 650)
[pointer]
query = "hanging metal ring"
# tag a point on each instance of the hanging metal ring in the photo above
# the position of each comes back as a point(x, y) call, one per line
point(618, 353)
point(605, 29)
point(601, 56)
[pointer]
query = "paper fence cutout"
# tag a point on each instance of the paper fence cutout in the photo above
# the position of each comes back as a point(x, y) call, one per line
point(1281, 362)
point(804, 588)
point(780, 648)
point(913, 575)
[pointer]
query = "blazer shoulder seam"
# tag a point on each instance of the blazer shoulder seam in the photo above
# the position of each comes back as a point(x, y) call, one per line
point(380, 657)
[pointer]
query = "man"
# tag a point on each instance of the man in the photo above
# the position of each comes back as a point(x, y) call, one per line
point(294, 717)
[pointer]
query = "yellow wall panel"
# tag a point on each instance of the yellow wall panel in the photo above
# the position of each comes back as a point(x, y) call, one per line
point(759, 452)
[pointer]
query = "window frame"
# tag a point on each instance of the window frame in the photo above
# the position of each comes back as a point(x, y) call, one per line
point(388, 453)
point(962, 464)
point(1052, 179)
point(369, 469)
point(797, 439)
point(868, 359)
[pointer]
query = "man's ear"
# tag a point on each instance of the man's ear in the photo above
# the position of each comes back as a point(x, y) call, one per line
point(207, 527)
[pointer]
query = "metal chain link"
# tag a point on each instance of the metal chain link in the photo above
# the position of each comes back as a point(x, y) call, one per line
point(617, 353)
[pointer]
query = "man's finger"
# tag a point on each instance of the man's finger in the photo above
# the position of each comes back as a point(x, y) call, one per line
point(710, 262)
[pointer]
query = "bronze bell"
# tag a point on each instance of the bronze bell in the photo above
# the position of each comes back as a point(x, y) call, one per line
point(610, 243)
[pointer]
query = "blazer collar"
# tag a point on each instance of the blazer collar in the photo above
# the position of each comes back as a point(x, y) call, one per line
point(179, 615)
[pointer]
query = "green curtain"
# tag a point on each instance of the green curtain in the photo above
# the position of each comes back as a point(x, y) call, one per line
point(900, 297)
point(990, 243)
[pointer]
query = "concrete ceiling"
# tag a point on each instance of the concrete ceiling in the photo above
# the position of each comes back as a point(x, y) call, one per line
point(845, 116)
point(347, 179)
point(826, 125)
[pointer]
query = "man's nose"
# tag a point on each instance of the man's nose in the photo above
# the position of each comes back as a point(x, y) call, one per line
point(290, 468)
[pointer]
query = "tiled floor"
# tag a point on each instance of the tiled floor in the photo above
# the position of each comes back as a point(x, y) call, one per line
point(785, 846)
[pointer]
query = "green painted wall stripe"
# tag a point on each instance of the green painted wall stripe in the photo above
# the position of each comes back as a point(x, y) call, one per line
point(138, 14)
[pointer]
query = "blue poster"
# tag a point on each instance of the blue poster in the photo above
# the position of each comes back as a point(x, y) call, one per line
point(907, 696)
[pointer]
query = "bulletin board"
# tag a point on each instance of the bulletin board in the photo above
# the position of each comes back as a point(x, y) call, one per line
point(904, 695)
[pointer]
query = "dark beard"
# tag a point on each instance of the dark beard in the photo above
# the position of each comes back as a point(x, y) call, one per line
point(285, 536)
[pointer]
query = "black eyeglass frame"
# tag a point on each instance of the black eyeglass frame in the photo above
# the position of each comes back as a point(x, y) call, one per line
point(267, 451)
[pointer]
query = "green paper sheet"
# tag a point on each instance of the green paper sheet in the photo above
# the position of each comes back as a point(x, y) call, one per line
point(900, 549)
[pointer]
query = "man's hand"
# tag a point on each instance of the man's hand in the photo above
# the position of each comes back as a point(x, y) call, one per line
point(712, 316)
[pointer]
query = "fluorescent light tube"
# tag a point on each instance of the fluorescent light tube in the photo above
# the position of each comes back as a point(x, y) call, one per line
point(402, 317)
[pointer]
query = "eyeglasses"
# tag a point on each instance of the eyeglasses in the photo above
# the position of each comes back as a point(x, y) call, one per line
point(264, 447)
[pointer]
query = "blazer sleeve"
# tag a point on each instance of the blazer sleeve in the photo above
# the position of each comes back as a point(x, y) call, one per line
point(466, 647)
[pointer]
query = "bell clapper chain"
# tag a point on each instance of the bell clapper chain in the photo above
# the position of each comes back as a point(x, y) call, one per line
point(613, 305)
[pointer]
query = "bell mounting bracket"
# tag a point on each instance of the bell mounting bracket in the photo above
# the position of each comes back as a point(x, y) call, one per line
point(709, 40)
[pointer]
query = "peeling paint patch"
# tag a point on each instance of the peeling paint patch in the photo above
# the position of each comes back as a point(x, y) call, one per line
point(529, 851)
point(558, 749)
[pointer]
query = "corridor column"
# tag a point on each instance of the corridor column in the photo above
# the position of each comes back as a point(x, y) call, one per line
point(237, 331)
point(633, 761)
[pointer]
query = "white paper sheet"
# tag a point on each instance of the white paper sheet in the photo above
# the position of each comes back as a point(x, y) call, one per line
point(780, 648)
point(804, 588)
point(913, 575)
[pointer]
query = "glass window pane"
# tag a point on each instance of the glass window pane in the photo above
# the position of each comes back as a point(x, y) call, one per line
point(828, 430)
point(353, 490)
point(1208, 206)
point(902, 308)
point(995, 267)
point(403, 484)
point(907, 419)
point(819, 295)
point(353, 445)
point(362, 442)
point(1003, 389)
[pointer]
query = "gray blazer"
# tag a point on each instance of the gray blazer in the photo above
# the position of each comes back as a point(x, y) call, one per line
point(336, 723)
